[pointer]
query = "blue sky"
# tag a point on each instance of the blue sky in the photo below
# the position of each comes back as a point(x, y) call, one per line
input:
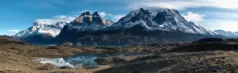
point(20, 14)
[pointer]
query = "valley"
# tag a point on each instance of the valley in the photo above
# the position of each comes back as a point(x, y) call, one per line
point(199, 56)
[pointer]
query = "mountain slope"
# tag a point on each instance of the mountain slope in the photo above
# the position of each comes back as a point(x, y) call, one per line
point(161, 19)
point(42, 30)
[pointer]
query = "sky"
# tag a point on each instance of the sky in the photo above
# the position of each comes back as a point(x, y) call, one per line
point(18, 15)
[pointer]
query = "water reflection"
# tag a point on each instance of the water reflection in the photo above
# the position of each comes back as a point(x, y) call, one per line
point(83, 60)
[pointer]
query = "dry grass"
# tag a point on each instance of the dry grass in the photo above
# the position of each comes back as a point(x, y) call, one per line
point(19, 57)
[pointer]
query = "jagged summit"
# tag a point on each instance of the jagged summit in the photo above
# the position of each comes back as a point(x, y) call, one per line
point(86, 13)
point(89, 22)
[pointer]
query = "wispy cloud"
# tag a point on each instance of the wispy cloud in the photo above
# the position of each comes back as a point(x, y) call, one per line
point(46, 4)
point(184, 4)
point(55, 19)
point(14, 31)
point(110, 16)
point(194, 17)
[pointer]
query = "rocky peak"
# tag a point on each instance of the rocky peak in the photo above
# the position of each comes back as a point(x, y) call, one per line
point(168, 15)
point(97, 19)
point(84, 18)
point(96, 15)
point(89, 22)
point(86, 13)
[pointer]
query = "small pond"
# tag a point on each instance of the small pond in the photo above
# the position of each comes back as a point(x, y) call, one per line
point(83, 60)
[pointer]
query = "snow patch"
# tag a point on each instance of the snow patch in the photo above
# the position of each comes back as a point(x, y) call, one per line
point(59, 62)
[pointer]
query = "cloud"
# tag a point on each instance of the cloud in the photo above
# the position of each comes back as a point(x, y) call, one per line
point(14, 31)
point(103, 14)
point(55, 19)
point(194, 17)
point(118, 16)
point(184, 4)
point(227, 25)
point(110, 16)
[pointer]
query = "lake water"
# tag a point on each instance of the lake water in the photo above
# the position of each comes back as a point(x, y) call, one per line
point(83, 60)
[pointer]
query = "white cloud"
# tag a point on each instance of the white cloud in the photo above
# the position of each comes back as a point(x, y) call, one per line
point(118, 16)
point(102, 14)
point(194, 17)
point(184, 4)
point(110, 16)
point(55, 19)
point(14, 31)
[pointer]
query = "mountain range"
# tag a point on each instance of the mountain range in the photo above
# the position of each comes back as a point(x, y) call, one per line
point(227, 34)
point(141, 26)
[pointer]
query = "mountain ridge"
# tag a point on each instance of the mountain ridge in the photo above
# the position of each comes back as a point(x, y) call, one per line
point(227, 34)
point(138, 27)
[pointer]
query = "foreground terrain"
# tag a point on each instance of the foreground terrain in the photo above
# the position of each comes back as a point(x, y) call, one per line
point(203, 56)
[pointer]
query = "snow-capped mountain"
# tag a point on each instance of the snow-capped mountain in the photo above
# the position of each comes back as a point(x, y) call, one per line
point(228, 34)
point(160, 19)
point(140, 26)
point(41, 28)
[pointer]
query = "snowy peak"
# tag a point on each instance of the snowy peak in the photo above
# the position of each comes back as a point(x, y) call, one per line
point(160, 19)
point(84, 18)
point(108, 22)
point(51, 29)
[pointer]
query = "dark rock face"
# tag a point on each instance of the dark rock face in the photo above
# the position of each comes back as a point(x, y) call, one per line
point(86, 13)
point(97, 19)
point(143, 14)
point(164, 16)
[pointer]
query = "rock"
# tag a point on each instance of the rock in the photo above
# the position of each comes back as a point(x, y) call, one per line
point(47, 67)
point(53, 47)
point(110, 60)
point(66, 44)
point(65, 67)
